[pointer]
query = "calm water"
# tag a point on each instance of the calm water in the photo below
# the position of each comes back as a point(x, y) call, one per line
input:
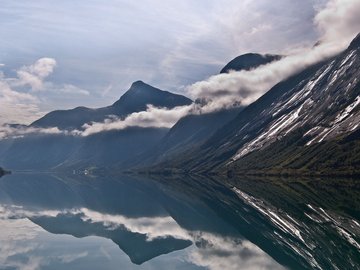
point(77, 222)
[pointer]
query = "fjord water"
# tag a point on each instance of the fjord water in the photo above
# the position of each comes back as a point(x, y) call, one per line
point(126, 222)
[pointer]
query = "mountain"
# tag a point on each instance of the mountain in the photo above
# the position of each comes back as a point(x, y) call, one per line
point(193, 130)
point(190, 131)
point(307, 124)
point(113, 148)
point(249, 61)
point(140, 94)
point(50, 151)
point(135, 99)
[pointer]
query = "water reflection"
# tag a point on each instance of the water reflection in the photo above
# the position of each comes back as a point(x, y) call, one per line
point(59, 222)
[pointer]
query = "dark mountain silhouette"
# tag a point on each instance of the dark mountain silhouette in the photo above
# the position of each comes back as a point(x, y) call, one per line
point(249, 61)
point(135, 99)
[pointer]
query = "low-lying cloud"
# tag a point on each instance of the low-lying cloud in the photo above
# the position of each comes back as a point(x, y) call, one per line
point(152, 117)
point(9, 131)
point(337, 23)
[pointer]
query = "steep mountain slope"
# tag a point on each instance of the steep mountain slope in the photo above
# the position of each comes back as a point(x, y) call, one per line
point(135, 99)
point(193, 130)
point(306, 113)
point(314, 129)
point(189, 132)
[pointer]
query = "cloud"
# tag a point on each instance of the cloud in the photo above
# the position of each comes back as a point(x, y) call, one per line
point(152, 117)
point(26, 246)
point(16, 106)
point(185, 41)
point(35, 74)
point(217, 252)
point(68, 258)
point(22, 104)
point(210, 250)
point(8, 131)
point(66, 88)
point(338, 23)
point(152, 227)
point(216, 35)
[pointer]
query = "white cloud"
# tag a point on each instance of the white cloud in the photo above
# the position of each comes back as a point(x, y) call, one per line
point(26, 246)
point(152, 117)
point(7, 131)
point(66, 88)
point(218, 252)
point(185, 41)
point(204, 38)
point(35, 74)
point(338, 23)
point(16, 106)
point(21, 104)
point(68, 258)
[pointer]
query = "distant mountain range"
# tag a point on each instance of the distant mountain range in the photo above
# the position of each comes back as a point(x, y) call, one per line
point(306, 124)
point(135, 99)
point(51, 151)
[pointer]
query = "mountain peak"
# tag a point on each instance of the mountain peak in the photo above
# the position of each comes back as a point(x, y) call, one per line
point(249, 61)
point(355, 44)
point(138, 83)
point(141, 94)
point(141, 88)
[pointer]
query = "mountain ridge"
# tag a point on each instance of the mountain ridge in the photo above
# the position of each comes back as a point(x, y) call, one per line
point(128, 103)
point(194, 129)
point(275, 115)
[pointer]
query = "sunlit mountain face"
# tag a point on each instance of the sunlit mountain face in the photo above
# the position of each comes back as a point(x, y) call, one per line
point(196, 223)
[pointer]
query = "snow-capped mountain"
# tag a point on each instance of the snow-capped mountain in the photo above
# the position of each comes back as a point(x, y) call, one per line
point(293, 124)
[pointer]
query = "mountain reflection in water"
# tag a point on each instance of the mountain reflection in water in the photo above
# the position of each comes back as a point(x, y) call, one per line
point(57, 222)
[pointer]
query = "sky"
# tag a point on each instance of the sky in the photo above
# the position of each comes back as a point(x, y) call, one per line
point(63, 54)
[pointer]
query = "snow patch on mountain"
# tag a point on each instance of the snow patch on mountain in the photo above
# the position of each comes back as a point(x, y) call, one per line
point(326, 106)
